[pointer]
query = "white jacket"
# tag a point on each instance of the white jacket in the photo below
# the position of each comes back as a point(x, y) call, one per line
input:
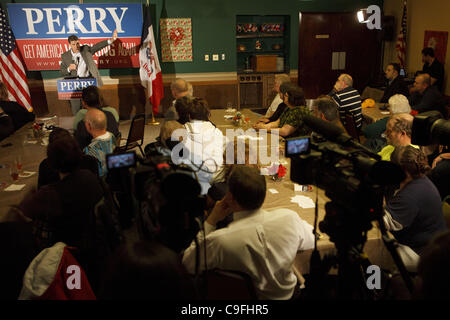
point(203, 147)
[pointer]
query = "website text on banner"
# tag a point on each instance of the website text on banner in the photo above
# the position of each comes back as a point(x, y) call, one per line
point(41, 32)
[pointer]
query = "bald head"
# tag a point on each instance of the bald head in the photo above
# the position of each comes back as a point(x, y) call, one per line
point(180, 88)
point(422, 82)
point(95, 121)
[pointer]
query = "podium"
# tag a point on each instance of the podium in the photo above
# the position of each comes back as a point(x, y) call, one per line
point(71, 88)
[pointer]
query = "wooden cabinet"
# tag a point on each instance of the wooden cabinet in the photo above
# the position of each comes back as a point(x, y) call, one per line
point(262, 35)
point(255, 90)
point(262, 49)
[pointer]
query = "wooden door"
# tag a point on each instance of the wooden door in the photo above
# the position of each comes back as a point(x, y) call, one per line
point(321, 34)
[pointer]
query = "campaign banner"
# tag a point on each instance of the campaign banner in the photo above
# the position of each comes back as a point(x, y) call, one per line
point(72, 88)
point(42, 29)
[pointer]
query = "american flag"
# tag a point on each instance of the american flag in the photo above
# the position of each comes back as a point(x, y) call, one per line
point(12, 73)
point(401, 39)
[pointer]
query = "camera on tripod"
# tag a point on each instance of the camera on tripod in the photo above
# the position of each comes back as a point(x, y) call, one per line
point(352, 177)
point(166, 197)
point(355, 179)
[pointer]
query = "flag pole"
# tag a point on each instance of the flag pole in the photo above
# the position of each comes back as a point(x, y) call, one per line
point(152, 122)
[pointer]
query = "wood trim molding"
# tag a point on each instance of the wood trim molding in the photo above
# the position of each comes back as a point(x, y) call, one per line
point(195, 78)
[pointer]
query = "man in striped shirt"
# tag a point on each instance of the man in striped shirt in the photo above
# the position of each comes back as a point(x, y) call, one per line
point(347, 99)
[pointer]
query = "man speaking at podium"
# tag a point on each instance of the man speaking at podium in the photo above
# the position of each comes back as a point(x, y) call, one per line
point(78, 62)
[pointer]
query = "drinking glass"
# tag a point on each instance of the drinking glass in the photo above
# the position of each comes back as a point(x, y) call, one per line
point(14, 173)
point(19, 164)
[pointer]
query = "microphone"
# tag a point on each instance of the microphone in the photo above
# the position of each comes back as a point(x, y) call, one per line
point(335, 133)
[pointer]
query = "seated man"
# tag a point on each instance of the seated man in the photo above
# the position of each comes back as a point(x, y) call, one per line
point(103, 141)
point(179, 88)
point(327, 109)
point(279, 80)
point(90, 99)
point(290, 123)
point(426, 97)
point(347, 99)
point(398, 133)
point(81, 114)
point(433, 67)
point(373, 132)
point(259, 243)
point(395, 84)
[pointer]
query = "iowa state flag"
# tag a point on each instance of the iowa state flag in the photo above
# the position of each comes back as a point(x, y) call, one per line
point(150, 70)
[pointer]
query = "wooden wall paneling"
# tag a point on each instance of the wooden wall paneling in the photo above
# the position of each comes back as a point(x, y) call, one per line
point(129, 98)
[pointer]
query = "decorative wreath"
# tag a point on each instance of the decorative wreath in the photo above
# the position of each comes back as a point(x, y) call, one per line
point(176, 35)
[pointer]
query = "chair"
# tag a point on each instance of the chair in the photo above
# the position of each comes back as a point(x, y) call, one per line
point(229, 285)
point(374, 93)
point(350, 126)
point(135, 135)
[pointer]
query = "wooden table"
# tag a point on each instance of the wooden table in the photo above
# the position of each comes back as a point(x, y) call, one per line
point(31, 152)
point(374, 114)
point(374, 246)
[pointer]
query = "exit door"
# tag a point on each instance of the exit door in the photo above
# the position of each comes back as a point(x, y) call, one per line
point(335, 43)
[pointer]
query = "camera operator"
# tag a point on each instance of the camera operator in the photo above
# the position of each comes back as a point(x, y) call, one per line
point(414, 214)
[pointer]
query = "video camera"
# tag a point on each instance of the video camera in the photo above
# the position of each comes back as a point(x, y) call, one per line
point(352, 176)
point(429, 128)
point(167, 196)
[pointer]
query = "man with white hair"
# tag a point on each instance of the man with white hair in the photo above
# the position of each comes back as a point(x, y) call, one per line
point(347, 99)
point(398, 103)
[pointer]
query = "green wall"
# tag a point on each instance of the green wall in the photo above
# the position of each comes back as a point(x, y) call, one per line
point(213, 27)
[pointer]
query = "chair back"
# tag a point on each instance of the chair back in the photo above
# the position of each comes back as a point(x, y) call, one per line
point(350, 126)
point(136, 133)
point(229, 285)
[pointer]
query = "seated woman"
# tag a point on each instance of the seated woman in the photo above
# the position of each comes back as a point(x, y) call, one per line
point(373, 132)
point(270, 116)
point(60, 211)
point(414, 214)
point(48, 175)
point(18, 114)
point(202, 143)
point(281, 107)
point(290, 123)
